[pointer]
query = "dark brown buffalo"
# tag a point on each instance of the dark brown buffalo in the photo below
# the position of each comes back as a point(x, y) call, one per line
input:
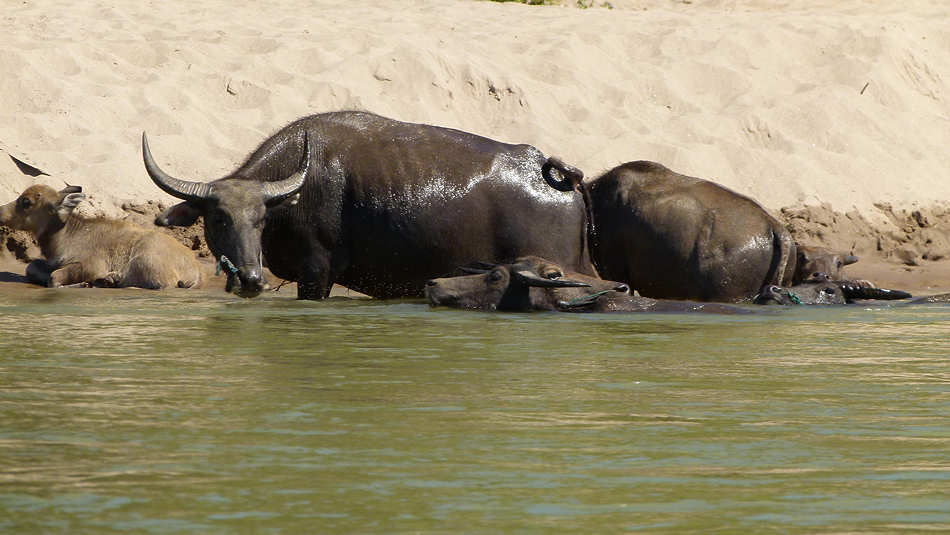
point(529, 283)
point(379, 206)
point(101, 252)
point(534, 283)
point(824, 292)
point(678, 237)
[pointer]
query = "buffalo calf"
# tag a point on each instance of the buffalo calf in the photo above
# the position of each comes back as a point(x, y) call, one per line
point(99, 252)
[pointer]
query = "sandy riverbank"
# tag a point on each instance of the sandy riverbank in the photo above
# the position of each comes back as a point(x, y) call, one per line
point(835, 111)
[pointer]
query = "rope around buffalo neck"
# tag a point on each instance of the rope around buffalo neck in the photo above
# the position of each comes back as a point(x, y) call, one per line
point(225, 263)
point(794, 298)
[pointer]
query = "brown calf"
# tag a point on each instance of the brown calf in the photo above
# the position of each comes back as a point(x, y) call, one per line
point(99, 252)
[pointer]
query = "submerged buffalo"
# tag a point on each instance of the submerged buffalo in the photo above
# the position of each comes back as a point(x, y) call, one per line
point(379, 206)
point(533, 283)
point(528, 283)
point(824, 292)
point(98, 251)
point(679, 237)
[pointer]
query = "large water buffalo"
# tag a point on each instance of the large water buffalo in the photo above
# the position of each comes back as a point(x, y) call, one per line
point(99, 252)
point(379, 206)
point(533, 283)
point(678, 237)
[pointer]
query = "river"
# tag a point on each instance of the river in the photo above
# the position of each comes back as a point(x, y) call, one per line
point(130, 411)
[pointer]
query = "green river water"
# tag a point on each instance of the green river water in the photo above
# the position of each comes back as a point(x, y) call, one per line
point(129, 411)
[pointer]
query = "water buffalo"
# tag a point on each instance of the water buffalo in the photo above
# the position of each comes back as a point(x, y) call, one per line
point(680, 237)
point(379, 206)
point(824, 292)
point(529, 283)
point(100, 252)
point(533, 283)
point(815, 262)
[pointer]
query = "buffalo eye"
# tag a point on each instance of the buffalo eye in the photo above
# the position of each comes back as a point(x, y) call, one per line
point(553, 275)
point(828, 291)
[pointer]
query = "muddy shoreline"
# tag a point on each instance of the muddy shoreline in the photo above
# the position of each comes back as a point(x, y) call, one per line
point(904, 248)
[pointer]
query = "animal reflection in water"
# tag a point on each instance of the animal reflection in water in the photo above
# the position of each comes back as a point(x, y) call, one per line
point(533, 283)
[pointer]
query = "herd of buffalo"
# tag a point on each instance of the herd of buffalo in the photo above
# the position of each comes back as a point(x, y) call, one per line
point(394, 209)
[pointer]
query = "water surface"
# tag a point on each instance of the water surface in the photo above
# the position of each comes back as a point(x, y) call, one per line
point(192, 411)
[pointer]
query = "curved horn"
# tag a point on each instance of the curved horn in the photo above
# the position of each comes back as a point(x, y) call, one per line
point(570, 175)
point(854, 291)
point(532, 279)
point(280, 190)
point(189, 191)
point(472, 271)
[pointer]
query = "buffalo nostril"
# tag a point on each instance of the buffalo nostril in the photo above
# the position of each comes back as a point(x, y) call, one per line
point(622, 288)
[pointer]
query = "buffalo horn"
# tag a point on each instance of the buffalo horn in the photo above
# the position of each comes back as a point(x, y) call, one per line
point(189, 191)
point(278, 191)
point(532, 279)
point(854, 291)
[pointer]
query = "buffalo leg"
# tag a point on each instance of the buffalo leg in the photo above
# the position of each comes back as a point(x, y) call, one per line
point(66, 275)
point(314, 283)
point(38, 272)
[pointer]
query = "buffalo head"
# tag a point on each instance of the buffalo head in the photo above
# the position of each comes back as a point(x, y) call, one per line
point(815, 262)
point(41, 209)
point(233, 209)
point(530, 283)
point(823, 291)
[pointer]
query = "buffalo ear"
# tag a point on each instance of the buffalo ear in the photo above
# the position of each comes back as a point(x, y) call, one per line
point(70, 189)
point(850, 259)
point(180, 215)
point(68, 203)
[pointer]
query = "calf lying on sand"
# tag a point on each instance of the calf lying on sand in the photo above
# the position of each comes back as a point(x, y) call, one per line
point(98, 252)
point(532, 283)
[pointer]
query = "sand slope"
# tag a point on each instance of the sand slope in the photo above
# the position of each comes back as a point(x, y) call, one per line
point(765, 97)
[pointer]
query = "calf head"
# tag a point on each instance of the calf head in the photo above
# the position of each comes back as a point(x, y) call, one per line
point(530, 283)
point(816, 262)
point(233, 210)
point(40, 209)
